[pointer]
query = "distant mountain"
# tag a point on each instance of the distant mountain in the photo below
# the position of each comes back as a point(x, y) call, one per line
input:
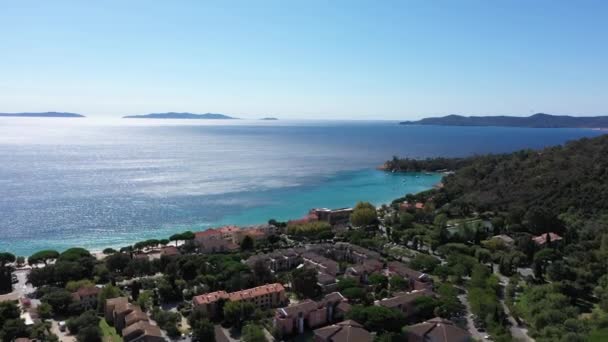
point(43, 115)
point(269, 119)
point(172, 115)
point(539, 120)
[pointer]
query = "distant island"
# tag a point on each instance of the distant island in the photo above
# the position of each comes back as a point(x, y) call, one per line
point(43, 115)
point(539, 120)
point(269, 119)
point(172, 115)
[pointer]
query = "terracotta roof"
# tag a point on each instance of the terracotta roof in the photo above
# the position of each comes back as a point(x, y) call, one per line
point(207, 233)
point(119, 301)
point(344, 307)
point(346, 331)
point(136, 316)
point(86, 292)
point(404, 271)
point(368, 266)
point(169, 251)
point(210, 297)
point(304, 307)
point(439, 330)
point(142, 328)
point(404, 298)
point(419, 205)
point(228, 229)
point(542, 239)
point(256, 292)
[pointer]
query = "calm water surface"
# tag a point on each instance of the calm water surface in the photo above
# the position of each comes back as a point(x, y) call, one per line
point(82, 182)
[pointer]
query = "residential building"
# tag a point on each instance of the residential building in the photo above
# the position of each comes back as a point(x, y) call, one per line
point(504, 239)
point(309, 314)
point(327, 283)
point(345, 331)
point(404, 301)
point(321, 263)
point(264, 297)
point(417, 280)
point(86, 297)
point(362, 271)
point(547, 239)
point(169, 251)
point(142, 331)
point(437, 330)
point(333, 217)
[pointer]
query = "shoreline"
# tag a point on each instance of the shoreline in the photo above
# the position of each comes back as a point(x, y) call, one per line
point(341, 182)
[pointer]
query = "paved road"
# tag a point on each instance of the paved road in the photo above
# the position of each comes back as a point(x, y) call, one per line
point(518, 332)
point(63, 336)
point(469, 316)
point(20, 289)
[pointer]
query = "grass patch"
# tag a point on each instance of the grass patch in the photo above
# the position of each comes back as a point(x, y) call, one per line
point(108, 332)
point(599, 336)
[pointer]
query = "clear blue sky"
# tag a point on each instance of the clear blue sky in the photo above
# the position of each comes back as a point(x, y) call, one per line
point(305, 59)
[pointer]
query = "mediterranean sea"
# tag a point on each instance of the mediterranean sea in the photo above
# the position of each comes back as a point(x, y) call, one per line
point(109, 183)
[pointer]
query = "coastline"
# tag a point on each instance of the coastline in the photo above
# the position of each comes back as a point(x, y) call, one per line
point(340, 190)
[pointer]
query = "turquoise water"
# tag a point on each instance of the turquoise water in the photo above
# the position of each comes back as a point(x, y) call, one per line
point(79, 182)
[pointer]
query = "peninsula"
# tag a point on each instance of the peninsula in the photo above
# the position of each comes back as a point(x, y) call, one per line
point(269, 119)
point(43, 115)
point(539, 120)
point(173, 115)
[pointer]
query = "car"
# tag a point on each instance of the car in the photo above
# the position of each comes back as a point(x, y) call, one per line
point(62, 326)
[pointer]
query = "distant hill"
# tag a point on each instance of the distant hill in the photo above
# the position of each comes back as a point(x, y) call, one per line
point(43, 115)
point(539, 120)
point(269, 119)
point(172, 115)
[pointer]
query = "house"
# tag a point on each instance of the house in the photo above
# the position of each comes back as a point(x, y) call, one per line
point(504, 239)
point(210, 302)
point(86, 297)
point(363, 271)
point(546, 239)
point(309, 314)
point(417, 280)
point(263, 297)
point(217, 245)
point(333, 217)
point(169, 251)
point(405, 206)
point(117, 310)
point(404, 301)
point(321, 263)
point(142, 331)
point(437, 330)
point(345, 331)
point(327, 283)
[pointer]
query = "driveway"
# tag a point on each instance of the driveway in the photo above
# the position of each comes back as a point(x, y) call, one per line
point(21, 288)
point(63, 336)
point(478, 336)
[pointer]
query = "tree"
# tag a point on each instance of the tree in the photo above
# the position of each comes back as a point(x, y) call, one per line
point(59, 300)
point(304, 282)
point(89, 334)
point(117, 262)
point(6, 284)
point(253, 333)
point(13, 328)
point(235, 313)
point(247, 244)
point(398, 283)
point(107, 292)
point(43, 256)
point(87, 319)
point(364, 214)
point(377, 318)
point(203, 330)
point(379, 281)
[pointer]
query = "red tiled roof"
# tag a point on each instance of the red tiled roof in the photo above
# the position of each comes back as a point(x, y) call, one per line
point(210, 297)
point(542, 239)
point(256, 291)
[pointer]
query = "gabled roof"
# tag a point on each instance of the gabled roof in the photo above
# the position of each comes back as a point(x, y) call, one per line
point(542, 239)
point(439, 330)
point(404, 298)
point(346, 331)
point(142, 328)
point(209, 297)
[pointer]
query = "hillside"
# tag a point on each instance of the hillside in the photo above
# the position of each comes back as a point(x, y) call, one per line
point(172, 115)
point(539, 120)
point(43, 115)
point(570, 177)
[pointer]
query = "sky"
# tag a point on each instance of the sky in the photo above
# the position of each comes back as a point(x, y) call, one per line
point(305, 59)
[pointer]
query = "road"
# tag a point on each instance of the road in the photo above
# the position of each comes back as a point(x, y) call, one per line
point(478, 336)
point(518, 332)
point(20, 289)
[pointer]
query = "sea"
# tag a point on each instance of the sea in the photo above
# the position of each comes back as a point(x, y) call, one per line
point(97, 183)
